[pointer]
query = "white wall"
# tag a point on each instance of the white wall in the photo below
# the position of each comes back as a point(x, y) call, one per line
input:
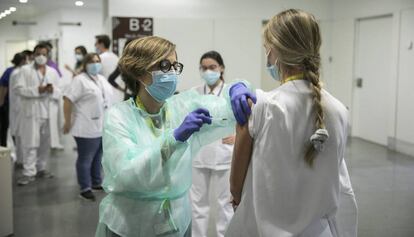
point(69, 36)
point(233, 28)
point(9, 33)
point(345, 14)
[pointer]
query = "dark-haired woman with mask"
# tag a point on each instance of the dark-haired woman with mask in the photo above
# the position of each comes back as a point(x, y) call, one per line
point(80, 53)
point(211, 166)
point(85, 102)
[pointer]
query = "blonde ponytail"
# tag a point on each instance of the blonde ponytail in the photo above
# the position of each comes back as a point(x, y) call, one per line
point(295, 36)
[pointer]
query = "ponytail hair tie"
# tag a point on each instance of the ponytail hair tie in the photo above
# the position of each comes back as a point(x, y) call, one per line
point(319, 138)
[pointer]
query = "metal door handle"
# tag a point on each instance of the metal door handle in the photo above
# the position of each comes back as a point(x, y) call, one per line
point(359, 81)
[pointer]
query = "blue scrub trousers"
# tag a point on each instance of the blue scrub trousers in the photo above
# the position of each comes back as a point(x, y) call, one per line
point(88, 164)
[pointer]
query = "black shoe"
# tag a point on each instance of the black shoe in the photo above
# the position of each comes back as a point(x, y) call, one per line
point(44, 174)
point(87, 195)
point(97, 188)
point(18, 166)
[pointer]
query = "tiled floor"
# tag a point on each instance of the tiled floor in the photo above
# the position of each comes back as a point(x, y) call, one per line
point(383, 182)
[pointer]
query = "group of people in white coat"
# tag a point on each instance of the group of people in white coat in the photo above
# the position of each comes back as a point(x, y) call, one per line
point(41, 110)
point(37, 98)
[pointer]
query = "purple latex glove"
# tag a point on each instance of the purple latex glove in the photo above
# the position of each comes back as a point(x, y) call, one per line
point(192, 123)
point(239, 94)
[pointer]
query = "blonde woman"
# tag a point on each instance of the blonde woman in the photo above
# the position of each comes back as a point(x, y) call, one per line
point(150, 139)
point(296, 139)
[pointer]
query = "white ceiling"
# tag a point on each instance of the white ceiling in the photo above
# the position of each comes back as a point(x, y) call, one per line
point(33, 8)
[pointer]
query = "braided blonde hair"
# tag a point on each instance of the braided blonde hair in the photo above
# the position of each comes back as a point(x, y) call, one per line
point(294, 35)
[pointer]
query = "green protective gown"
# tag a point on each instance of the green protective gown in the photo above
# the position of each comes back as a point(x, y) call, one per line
point(148, 172)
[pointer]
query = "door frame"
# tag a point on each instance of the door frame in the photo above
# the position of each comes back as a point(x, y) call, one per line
point(354, 66)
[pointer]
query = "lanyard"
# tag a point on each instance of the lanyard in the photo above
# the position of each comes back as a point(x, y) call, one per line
point(148, 120)
point(221, 88)
point(38, 76)
point(293, 78)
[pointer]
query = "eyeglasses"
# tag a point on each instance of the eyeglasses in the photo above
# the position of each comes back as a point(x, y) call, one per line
point(166, 66)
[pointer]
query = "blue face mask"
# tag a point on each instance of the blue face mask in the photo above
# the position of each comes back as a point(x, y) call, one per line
point(274, 72)
point(163, 85)
point(211, 77)
point(93, 68)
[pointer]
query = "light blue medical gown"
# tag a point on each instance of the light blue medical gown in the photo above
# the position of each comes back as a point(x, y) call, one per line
point(148, 172)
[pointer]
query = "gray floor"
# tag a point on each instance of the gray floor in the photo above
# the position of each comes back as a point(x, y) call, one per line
point(383, 182)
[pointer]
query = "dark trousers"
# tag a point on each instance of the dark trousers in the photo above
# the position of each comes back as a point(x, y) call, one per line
point(88, 164)
point(4, 124)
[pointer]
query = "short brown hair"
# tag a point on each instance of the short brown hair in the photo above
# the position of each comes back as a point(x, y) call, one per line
point(140, 55)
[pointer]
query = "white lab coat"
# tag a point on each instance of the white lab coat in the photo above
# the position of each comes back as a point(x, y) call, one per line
point(90, 99)
point(15, 110)
point(282, 195)
point(211, 172)
point(26, 87)
point(109, 62)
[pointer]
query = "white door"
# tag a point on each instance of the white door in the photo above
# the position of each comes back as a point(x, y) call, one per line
point(372, 79)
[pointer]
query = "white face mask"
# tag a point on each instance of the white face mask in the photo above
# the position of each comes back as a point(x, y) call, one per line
point(40, 60)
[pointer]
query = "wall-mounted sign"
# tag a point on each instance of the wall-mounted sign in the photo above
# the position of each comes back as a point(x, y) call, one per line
point(126, 28)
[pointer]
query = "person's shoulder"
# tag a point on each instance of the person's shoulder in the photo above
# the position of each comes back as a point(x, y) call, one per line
point(16, 71)
point(80, 77)
point(120, 111)
point(52, 71)
point(334, 104)
point(27, 67)
point(10, 69)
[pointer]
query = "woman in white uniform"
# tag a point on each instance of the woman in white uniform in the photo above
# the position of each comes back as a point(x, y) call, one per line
point(85, 102)
point(296, 139)
point(211, 166)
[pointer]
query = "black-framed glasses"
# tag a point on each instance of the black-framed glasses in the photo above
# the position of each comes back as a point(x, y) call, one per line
point(166, 66)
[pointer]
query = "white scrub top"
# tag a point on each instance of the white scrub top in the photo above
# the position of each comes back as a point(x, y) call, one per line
point(90, 99)
point(109, 62)
point(282, 195)
point(44, 101)
point(216, 155)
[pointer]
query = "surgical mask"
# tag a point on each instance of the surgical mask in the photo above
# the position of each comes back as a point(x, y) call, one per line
point(93, 68)
point(97, 50)
point(211, 77)
point(40, 60)
point(272, 69)
point(163, 85)
point(79, 57)
point(274, 72)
